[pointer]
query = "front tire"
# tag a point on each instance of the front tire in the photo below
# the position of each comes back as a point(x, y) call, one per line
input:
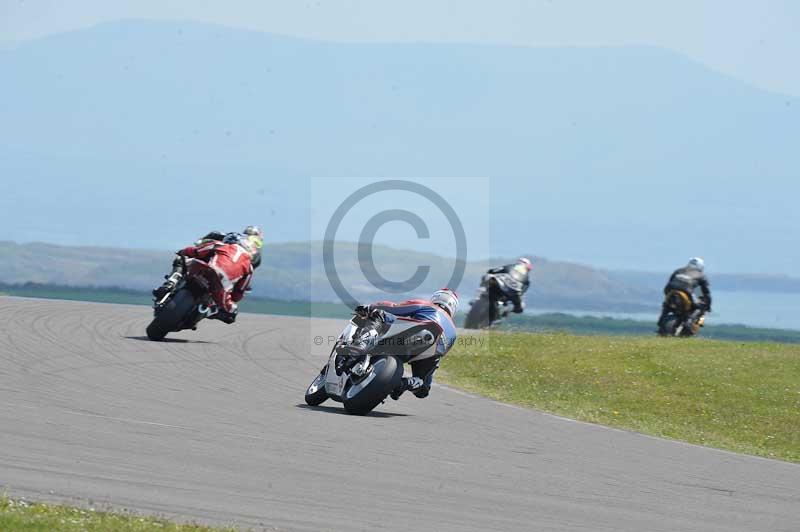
point(315, 393)
point(361, 397)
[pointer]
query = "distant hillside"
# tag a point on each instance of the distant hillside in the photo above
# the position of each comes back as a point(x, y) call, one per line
point(294, 271)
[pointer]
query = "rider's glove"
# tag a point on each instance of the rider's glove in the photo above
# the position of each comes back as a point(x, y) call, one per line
point(377, 315)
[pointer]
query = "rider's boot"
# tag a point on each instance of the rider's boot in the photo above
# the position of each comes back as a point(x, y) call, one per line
point(225, 316)
point(406, 383)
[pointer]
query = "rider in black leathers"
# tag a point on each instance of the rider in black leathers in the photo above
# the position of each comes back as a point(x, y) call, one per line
point(520, 275)
point(687, 280)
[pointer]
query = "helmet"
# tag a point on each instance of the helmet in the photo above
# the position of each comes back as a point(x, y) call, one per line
point(447, 299)
point(254, 245)
point(255, 235)
point(253, 230)
point(525, 262)
point(697, 263)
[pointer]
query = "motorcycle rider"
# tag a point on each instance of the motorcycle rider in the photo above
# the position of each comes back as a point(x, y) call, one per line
point(213, 236)
point(250, 230)
point(440, 310)
point(520, 275)
point(231, 259)
point(683, 283)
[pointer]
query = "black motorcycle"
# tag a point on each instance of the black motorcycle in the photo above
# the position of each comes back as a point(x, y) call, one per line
point(491, 303)
point(683, 316)
point(187, 303)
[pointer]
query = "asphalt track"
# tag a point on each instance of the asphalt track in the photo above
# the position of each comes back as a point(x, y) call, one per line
point(212, 427)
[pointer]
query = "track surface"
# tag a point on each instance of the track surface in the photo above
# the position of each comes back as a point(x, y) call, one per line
point(212, 428)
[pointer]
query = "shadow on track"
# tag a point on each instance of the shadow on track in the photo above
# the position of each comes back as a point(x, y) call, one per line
point(168, 340)
point(340, 410)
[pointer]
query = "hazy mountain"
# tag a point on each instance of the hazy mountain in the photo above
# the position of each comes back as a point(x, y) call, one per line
point(630, 157)
point(295, 271)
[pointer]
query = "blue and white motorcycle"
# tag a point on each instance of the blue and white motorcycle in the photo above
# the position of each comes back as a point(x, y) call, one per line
point(366, 363)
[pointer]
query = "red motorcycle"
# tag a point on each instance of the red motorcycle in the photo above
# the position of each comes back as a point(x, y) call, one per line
point(187, 303)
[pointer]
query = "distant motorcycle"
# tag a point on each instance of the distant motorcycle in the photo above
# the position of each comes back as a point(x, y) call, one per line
point(187, 303)
point(366, 365)
point(491, 303)
point(683, 316)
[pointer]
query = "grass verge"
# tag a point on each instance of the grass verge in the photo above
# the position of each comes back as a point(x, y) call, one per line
point(743, 397)
point(21, 516)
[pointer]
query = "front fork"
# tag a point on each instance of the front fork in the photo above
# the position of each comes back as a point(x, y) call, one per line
point(172, 281)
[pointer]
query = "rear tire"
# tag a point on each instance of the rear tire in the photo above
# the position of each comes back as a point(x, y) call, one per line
point(155, 332)
point(315, 393)
point(171, 315)
point(478, 315)
point(670, 326)
point(386, 374)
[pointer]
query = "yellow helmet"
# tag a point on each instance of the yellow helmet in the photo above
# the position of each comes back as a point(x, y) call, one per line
point(255, 244)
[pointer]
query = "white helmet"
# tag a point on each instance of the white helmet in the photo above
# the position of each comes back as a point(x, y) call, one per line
point(697, 263)
point(447, 299)
point(525, 262)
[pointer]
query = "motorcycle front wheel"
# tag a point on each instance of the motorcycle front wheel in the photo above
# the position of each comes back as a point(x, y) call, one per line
point(315, 393)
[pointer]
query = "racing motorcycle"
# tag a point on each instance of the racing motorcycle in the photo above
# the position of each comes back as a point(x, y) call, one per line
point(187, 303)
point(491, 304)
point(683, 317)
point(366, 362)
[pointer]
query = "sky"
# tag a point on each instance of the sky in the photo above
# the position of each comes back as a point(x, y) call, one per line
point(754, 41)
point(586, 134)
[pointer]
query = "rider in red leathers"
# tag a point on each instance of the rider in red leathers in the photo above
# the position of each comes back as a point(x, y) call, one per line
point(231, 260)
point(251, 241)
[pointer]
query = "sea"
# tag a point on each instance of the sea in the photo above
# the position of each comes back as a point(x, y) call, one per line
point(754, 309)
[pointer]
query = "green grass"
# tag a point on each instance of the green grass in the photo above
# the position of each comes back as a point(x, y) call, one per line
point(595, 325)
point(20, 516)
point(739, 396)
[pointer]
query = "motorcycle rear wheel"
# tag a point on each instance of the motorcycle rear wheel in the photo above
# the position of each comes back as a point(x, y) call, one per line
point(361, 397)
point(478, 316)
point(669, 326)
point(171, 315)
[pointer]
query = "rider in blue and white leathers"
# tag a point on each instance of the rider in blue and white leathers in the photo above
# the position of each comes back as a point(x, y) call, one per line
point(437, 314)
